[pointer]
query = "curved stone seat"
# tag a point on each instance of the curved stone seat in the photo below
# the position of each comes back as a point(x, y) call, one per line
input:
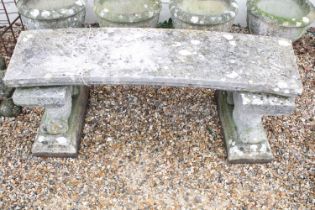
point(233, 62)
point(259, 74)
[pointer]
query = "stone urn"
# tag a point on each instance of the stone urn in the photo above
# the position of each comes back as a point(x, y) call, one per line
point(212, 15)
point(42, 14)
point(127, 13)
point(286, 18)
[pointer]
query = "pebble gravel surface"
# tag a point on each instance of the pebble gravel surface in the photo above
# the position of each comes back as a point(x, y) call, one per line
point(162, 148)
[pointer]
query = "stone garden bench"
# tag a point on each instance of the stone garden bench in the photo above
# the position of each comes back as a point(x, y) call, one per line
point(254, 76)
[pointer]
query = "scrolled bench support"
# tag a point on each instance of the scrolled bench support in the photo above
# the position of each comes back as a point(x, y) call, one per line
point(60, 129)
point(245, 138)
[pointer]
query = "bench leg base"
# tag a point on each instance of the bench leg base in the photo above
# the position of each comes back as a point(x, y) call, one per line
point(67, 144)
point(238, 151)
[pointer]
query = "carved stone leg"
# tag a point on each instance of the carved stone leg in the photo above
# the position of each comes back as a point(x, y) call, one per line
point(245, 137)
point(60, 129)
point(56, 116)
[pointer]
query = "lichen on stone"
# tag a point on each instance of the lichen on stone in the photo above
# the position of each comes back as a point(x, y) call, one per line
point(204, 12)
point(50, 10)
point(270, 12)
point(121, 11)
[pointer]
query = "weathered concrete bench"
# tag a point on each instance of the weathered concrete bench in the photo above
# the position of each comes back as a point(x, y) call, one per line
point(254, 76)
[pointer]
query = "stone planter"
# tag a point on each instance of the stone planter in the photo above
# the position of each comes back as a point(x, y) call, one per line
point(286, 18)
point(42, 14)
point(127, 13)
point(213, 15)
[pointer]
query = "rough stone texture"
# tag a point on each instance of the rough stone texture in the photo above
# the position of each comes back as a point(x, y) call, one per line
point(265, 104)
point(248, 125)
point(7, 107)
point(236, 133)
point(263, 23)
point(235, 62)
point(42, 18)
point(52, 96)
point(57, 107)
point(56, 117)
point(249, 110)
point(241, 117)
point(64, 144)
point(214, 22)
point(61, 125)
point(5, 92)
point(113, 13)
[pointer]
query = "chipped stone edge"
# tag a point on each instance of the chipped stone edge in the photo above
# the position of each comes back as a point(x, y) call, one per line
point(265, 103)
point(40, 96)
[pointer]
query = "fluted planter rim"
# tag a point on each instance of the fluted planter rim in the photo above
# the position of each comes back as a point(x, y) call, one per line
point(152, 11)
point(198, 19)
point(50, 14)
point(306, 20)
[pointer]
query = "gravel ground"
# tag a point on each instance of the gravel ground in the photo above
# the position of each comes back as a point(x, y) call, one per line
point(162, 148)
point(9, 41)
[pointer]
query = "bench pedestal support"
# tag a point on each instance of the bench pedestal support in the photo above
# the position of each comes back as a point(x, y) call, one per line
point(245, 138)
point(61, 126)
